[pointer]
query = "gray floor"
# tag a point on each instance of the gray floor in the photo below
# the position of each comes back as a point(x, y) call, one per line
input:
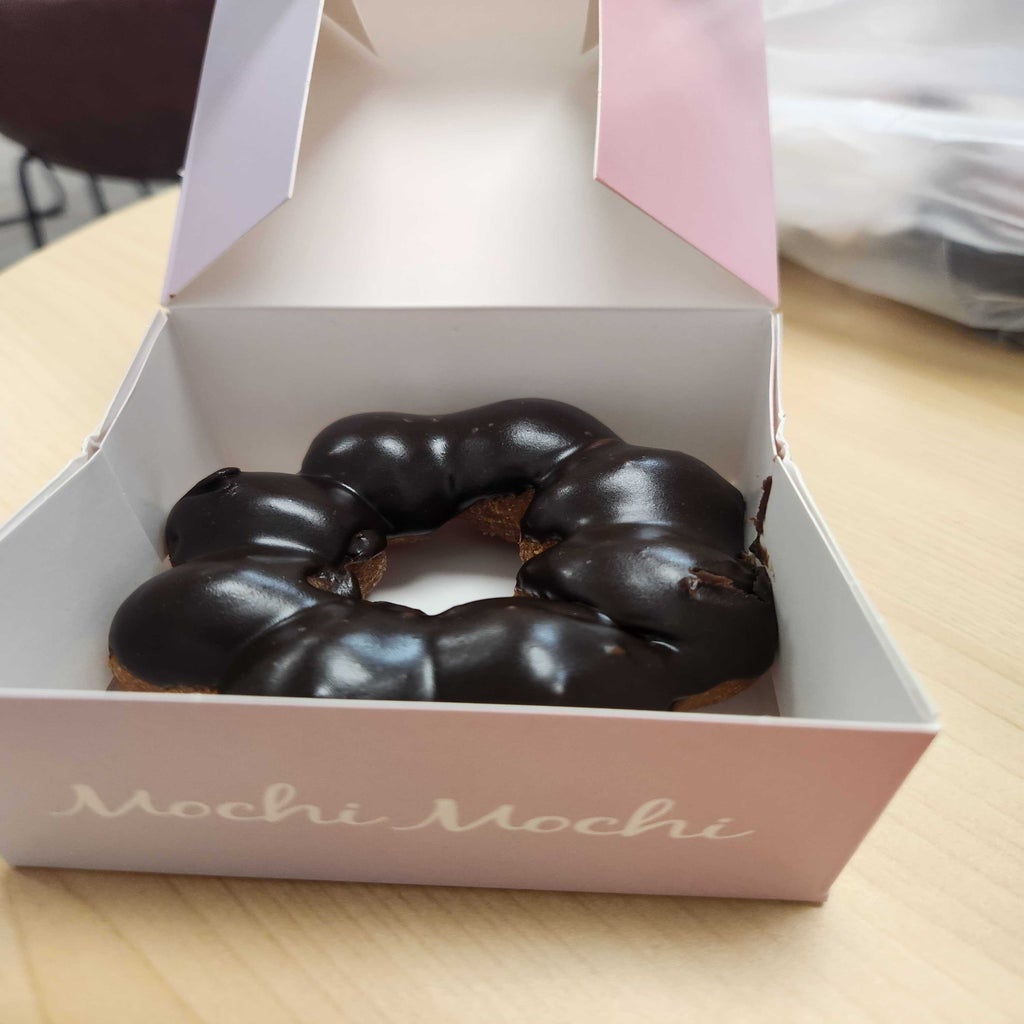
point(15, 240)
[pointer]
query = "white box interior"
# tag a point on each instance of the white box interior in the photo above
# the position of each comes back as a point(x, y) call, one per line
point(253, 387)
point(445, 196)
point(453, 167)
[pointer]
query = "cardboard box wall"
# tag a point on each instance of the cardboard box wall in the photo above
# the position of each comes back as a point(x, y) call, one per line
point(446, 246)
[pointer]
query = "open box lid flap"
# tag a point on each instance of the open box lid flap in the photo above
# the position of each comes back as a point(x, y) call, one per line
point(682, 135)
point(244, 145)
point(683, 126)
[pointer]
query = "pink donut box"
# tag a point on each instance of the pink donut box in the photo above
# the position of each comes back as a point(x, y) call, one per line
point(396, 205)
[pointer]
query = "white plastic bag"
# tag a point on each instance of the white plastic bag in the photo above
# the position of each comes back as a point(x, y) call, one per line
point(899, 147)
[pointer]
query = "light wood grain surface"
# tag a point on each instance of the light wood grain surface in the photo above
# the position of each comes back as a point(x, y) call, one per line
point(909, 431)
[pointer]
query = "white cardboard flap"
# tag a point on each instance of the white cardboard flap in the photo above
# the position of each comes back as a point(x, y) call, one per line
point(245, 130)
point(55, 636)
point(828, 631)
point(448, 159)
point(344, 14)
point(476, 42)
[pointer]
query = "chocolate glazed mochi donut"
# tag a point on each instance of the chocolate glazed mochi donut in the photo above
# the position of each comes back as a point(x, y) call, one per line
point(634, 592)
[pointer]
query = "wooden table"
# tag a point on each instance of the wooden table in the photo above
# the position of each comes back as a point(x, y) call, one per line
point(909, 431)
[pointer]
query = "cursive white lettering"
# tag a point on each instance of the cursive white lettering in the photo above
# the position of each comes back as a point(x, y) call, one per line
point(279, 804)
point(348, 817)
point(189, 809)
point(715, 831)
point(585, 827)
point(643, 819)
point(228, 810)
point(446, 814)
point(87, 799)
point(278, 797)
point(557, 823)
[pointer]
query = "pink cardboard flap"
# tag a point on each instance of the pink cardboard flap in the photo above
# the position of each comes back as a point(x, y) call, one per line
point(683, 126)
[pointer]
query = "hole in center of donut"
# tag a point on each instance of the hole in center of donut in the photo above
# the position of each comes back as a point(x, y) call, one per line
point(451, 566)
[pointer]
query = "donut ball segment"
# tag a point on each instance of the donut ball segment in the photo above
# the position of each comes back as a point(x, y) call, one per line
point(420, 471)
point(632, 594)
point(180, 630)
point(235, 514)
point(658, 583)
point(504, 650)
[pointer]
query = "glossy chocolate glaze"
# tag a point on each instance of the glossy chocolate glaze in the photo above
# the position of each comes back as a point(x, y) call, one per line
point(182, 628)
point(367, 649)
point(231, 513)
point(645, 598)
point(420, 471)
point(526, 650)
point(615, 482)
point(658, 582)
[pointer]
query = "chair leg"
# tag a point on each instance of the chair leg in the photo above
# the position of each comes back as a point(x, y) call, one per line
point(99, 200)
point(32, 214)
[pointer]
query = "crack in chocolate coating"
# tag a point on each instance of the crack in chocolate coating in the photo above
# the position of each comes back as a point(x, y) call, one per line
point(646, 596)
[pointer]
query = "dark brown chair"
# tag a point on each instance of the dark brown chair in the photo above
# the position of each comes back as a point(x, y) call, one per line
point(105, 87)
